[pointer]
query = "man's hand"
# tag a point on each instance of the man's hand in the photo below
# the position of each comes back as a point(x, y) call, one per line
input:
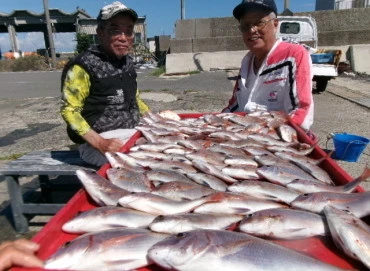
point(19, 253)
point(103, 144)
point(109, 145)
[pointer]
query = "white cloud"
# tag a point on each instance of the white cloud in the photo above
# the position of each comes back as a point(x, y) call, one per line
point(31, 41)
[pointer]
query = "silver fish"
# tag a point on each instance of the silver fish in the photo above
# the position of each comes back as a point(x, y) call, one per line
point(208, 180)
point(241, 173)
point(155, 204)
point(241, 160)
point(213, 250)
point(305, 186)
point(101, 190)
point(128, 180)
point(307, 166)
point(283, 173)
point(117, 161)
point(287, 133)
point(182, 190)
point(264, 190)
point(315, 202)
point(166, 176)
point(232, 203)
point(107, 217)
point(349, 233)
point(110, 250)
point(172, 165)
point(210, 169)
point(192, 221)
point(284, 223)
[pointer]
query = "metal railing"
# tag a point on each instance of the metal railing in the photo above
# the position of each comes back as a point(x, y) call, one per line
point(347, 4)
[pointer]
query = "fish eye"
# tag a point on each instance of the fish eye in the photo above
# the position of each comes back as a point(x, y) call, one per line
point(160, 218)
point(180, 235)
point(67, 244)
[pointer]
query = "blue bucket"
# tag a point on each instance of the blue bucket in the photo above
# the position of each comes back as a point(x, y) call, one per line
point(349, 147)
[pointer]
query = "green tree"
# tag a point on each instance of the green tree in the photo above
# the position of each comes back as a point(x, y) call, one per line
point(83, 42)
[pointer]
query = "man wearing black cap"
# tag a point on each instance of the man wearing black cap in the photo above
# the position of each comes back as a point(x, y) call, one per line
point(99, 88)
point(274, 75)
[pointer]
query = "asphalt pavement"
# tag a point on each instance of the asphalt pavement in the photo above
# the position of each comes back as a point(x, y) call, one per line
point(30, 102)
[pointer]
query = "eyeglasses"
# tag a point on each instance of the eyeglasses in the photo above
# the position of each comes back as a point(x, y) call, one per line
point(117, 33)
point(257, 26)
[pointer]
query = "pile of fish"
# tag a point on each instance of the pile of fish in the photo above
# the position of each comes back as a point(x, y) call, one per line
point(211, 193)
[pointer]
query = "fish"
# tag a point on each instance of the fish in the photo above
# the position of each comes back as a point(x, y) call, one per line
point(128, 180)
point(117, 161)
point(165, 176)
point(240, 160)
point(264, 190)
point(269, 159)
point(284, 223)
point(283, 173)
point(186, 222)
point(109, 250)
point(241, 172)
point(212, 250)
point(208, 180)
point(308, 167)
point(232, 203)
point(349, 233)
point(154, 204)
point(156, 147)
point(305, 186)
point(270, 141)
point(212, 170)
point(172, 165)
point(357, 203)
point(214, 158)
point(169, 114)
point(100, 189)
point(178, 190)
point(287, 133)
point(107, 217)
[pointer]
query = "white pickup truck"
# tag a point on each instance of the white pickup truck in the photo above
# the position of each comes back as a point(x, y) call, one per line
point(302, 29)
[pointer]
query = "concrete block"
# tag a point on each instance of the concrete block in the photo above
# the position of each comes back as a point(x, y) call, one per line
point(185, 29)
point(203, 61)
point(181, 45)
point(360, 55)
point(216, 44)
point(203, 28)
point(164, 42)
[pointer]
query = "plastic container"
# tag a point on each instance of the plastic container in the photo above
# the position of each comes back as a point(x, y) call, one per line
point(52, 237)
point(349, 147)
point(322, 58)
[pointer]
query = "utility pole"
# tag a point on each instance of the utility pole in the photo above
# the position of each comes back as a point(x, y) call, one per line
point(286, 4)
point(50, 35)
point(182, 9)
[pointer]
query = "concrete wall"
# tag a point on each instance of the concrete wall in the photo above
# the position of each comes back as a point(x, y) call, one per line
point(337, 29)
point(204, 61)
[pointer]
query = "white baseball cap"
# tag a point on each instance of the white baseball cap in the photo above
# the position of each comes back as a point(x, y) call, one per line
point(113, 9)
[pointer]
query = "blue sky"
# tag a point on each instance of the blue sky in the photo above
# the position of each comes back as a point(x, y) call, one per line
point(161, 15)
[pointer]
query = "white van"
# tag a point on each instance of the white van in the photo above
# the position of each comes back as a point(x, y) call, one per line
point(302, 29)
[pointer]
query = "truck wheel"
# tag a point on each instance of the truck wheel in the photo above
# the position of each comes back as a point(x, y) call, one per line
point(321, 84)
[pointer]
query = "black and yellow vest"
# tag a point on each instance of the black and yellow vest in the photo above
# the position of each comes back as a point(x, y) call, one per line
point(111, 103)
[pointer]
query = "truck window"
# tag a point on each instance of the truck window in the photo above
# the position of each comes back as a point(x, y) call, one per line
point(289, 28)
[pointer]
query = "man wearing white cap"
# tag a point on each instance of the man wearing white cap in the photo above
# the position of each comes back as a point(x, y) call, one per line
point(274, 75)
point(99, 88)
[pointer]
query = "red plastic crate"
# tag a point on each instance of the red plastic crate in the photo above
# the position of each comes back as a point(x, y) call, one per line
point(51, 237)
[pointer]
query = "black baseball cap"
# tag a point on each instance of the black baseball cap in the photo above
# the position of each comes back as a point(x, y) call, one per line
point(252, 5)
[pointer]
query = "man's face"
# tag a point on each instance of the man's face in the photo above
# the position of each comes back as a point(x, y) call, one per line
point(117, 35)
point(259, 31)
